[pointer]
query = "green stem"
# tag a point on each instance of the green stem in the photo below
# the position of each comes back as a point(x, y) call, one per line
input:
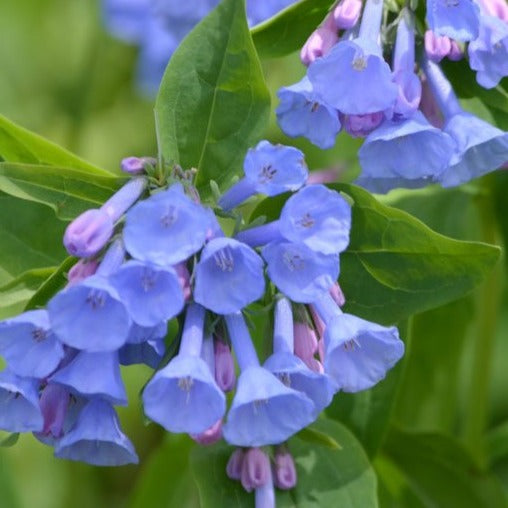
point(489, 298)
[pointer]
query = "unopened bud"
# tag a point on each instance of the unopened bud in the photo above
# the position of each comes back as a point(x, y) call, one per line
point(347, 13)
point(285, 471)
point(255, 469)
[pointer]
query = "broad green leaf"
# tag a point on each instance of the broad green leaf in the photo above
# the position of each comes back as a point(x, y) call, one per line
point(288, 30)
point(368, 413)
point(55, 281)
point(31, 238)
point(68, 191)
point(165, 480)
point(20, 145)
point(396, 266)
point(213, 103)
point(15, 295)
point(451, 212)
point(439, 472)
point(326, 477)
point(9, 440)
point(430, 388)
point(31, 248)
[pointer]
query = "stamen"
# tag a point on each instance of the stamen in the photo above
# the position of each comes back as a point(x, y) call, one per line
point(96, 299)
point(186, 384)
point(359, 63)
point(224, 260)
point(351, 345)
point(293, 261)
point(259, 403)
point(306, 221)
point(148, 280)
point(39, 334)
point(267, 173)
point(169, 218)
point(285, 378)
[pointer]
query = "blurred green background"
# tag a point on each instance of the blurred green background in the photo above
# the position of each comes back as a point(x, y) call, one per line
point(65, 78)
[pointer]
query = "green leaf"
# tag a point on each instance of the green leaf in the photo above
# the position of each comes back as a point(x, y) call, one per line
point(20, 145)
point(213, 103)
point(431, 385)
point(15, 294)
point(288, 31)
point(68, 191)
point(326, 477)
point(53, 283)
point(165, 480)
point(314, 436)
point(31, 238)
point(438, 472)
point(396, 266)
point(10, 440)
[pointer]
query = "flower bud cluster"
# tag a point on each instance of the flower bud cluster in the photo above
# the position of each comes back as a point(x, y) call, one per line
point(165, 256)
point(350, 86)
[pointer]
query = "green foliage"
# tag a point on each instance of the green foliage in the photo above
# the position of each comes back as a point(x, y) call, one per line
point(31, 248)
point(434, 470)
point(165, 480)
point(431, 269)
point(213, 105)
point(20, 145)
point(68, 191)
point(288, 31)
point(326, 476)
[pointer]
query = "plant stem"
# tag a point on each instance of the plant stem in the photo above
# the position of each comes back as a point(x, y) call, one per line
point(489, 297)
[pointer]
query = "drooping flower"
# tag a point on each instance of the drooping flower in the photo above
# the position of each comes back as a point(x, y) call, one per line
point(28, 344)
point(229, 276)
point(264, 411)
point(168, 218)
point(269, 169)
point(302, 112)
point(358, 353)
point(19, 403)
point(183, 396)
point(96, 438)
point(457, 19)
point(344, 77)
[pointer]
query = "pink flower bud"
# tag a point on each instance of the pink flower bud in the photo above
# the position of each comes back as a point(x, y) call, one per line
point(436, 47)
point(209, 436)
point(255, 469)
point(323, 176)
point(224, 367)
point(359, 126)
point(455, 54)
point(88, 233)
point(285, 471)
point(314, 365)
point(184, 280)
point(347, 13)
point(54, 402)
point(429, 106)
point(497, 8)
point(318, 44)
point(305, 340)
point(318, 322)
point(337, 295)
point(136, 165)
point(234, 466)
point(80, 271)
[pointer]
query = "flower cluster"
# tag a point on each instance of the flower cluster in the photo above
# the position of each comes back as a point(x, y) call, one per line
point(153, 253)
point(350, 86)
point(158, 27)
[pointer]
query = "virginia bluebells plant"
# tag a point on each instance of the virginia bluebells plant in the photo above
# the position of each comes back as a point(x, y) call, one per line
point(166, 257)
point(351, 85)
